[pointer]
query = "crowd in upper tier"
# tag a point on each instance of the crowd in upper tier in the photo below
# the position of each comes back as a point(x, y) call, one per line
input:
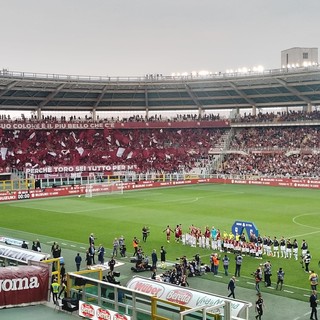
point(280, 116)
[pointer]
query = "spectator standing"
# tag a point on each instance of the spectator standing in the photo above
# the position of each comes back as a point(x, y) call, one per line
point(154, 274)
point(145, 233)
point(154, 259)
point(55, 290)
point(63, 286)
point(280, 278)
point(313, 305)
point(91, 239)
point(258, 278)
point(24, 245)
point(267, 274)
point(101, 254)
point(239, 260)
point(34, 246)
point(56, 250)
point(88, 259)
point(115, 247)
point(232, 286)
point(135, 244)
point(78, 261)
point(226, 262)
point(215, 261)
point(38, 245)
point(259, 306)
point(92, 252)
point(62, 270)
point(112, 264)
point(163, 253)
point(123, 251)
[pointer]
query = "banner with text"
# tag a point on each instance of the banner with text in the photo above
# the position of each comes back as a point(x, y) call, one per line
point(24, 285)
point(90, 311)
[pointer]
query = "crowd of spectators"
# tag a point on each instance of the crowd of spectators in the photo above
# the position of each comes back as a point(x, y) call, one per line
point(271, 165)
point(283, 116)
point(261, 117)
point(113, 119)
point(266, 151)
point(283, 138)
point(274, 151)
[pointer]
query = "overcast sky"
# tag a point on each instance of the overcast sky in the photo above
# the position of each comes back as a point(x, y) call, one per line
point(135, 37)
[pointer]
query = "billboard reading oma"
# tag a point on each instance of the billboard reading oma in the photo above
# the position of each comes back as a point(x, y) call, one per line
point(24, 285)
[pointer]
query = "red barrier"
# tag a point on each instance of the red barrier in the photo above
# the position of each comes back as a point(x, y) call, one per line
point(20, 286)
point(78, 190)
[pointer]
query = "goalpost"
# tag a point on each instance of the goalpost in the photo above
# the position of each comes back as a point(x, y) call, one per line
point(103, 188)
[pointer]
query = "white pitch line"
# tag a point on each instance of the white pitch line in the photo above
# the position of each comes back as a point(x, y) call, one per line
point(303, 316)
point(305, 225)
point(288, 291)
point(194, 200)
point(304, 234)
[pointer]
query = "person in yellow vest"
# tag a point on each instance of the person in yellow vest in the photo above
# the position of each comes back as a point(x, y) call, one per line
point(55, 290)
point(313, 278)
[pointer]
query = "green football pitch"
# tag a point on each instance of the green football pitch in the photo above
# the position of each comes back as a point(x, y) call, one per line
point(276, 211)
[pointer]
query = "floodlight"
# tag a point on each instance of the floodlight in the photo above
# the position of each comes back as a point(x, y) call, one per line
point(203, 73)
point(260, 68)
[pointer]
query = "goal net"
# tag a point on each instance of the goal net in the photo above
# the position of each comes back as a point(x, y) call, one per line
point(104, 188)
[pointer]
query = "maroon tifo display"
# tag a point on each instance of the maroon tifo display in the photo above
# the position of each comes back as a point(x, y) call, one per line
point(24, 285)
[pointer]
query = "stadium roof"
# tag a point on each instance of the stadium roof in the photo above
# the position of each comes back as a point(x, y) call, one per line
point(50, 92)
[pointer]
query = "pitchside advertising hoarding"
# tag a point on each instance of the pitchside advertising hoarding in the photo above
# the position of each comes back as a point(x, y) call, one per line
point(80, 189)
point(24, 285)
point(21, 255)
point(183, 296)
point(90, 311)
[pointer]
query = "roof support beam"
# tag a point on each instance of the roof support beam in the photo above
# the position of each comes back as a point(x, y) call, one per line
point(8, 87)
point(104, 90)
point(241, 94)
point(194, 99)
point(51, 96)
point(293, 90)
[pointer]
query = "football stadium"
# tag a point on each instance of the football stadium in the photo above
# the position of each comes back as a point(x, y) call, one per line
point(166, 187)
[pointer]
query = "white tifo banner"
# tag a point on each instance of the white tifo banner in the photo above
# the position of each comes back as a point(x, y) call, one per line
point(90, 311)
